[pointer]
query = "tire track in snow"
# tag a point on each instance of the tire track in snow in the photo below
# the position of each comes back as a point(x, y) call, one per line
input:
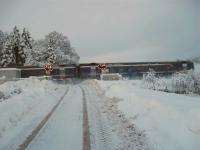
point(34, 133)
point(101, 135)
point(131, 136)
point(86, 132)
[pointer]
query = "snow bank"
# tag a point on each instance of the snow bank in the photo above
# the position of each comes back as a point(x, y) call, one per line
point(170, 121)
point(22, 105)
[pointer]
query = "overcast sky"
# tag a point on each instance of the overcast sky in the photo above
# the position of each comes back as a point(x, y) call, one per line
point(113, 30)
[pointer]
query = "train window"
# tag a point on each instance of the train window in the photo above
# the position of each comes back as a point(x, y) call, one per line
point(69, 70)
point(121, 70)
point(85, 71)
point(184, 66)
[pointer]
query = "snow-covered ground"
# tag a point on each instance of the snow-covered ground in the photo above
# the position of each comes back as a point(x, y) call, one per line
point(170, 121)
point(22, 111)
point(22, 106)
point(122, 115)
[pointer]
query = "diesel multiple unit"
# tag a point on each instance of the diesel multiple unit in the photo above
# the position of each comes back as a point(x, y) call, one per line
point(92, 70)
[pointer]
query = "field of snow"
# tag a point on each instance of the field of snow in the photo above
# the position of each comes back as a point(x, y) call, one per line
point(170, 121)
point(124, 110)
point(22, 106)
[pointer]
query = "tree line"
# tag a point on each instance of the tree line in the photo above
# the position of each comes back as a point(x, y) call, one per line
point(20, 49)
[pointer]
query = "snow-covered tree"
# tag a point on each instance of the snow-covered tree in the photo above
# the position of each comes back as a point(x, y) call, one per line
point(60, 41)
point(18, 47)
point(35, 56)
point(55, 47)
point(50, 54)
point(15, 41)
point(179, 83)
point(7, 56)
point(26, 44)
point(149, 79)
point(26, 39)
point(196, 82)
point(74, 57)
point(187, 82)
point(62, 47)
point(19, 44)
point(3, 37)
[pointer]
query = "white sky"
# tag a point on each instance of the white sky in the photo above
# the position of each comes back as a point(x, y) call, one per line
point(113, 30)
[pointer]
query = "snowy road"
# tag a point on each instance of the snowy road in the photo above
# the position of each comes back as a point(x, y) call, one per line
point(64, 129)
point(83, 121)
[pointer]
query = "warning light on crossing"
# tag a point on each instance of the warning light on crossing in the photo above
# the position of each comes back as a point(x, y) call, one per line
point(48, 68)
point(102, 66)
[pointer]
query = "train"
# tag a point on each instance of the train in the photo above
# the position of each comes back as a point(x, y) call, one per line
point(93, 70)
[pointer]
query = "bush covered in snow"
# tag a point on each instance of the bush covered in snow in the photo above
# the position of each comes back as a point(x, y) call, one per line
point(186, 82)
point(149, 80)
point(180, 82)
point(154, 82)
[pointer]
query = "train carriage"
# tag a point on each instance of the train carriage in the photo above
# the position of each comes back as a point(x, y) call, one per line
point(132, 69)
point(92, 70)
point(27, 72)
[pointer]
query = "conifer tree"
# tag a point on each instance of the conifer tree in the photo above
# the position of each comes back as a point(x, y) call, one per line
point(7, 56)
point(50, 54)
point(26, 39)
point(18, 47)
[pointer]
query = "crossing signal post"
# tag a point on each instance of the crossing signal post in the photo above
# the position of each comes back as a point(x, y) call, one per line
point(48, 69)
point(103, 68)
